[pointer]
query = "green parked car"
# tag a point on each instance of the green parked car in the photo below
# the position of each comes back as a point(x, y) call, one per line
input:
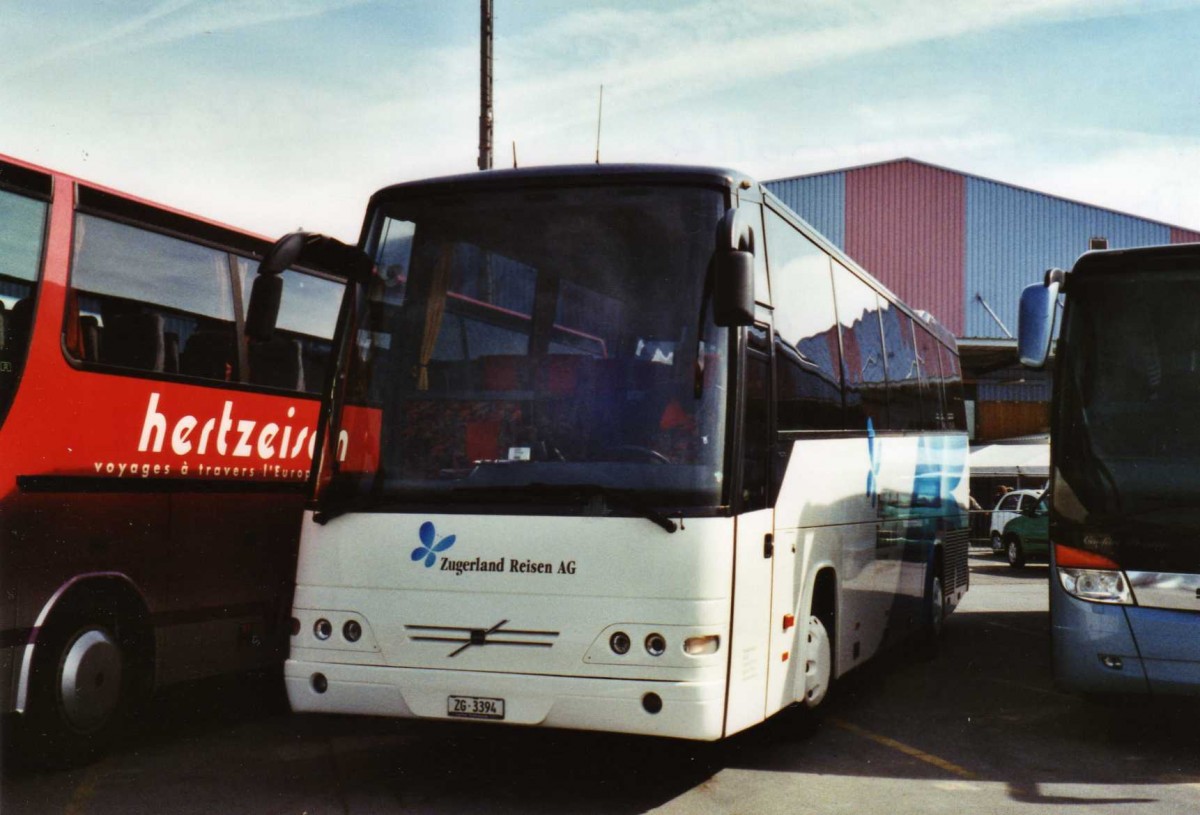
point(1028, 534)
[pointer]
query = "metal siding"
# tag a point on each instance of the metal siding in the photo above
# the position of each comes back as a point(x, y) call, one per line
point(1013, 235)
point(818, 199)
point(1015, 384)
point(1179, 235)
point(904, 224)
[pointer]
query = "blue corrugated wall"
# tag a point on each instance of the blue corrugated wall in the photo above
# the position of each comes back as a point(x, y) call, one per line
point(818, 199)
point(1014, 235)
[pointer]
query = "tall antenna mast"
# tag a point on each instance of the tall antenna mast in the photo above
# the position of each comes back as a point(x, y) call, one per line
point(485, 84)
point(599, 119)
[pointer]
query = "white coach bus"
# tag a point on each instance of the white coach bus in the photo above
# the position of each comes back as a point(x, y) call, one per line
point(649, 455)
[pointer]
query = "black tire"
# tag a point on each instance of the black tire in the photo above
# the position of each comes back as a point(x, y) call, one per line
point(935, 619)
point(1015, 552)
point(83, 683)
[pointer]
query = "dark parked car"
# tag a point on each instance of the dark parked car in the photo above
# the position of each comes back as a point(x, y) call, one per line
point(1028, 535)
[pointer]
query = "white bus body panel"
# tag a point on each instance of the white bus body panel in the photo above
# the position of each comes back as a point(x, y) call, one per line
point(522, 608)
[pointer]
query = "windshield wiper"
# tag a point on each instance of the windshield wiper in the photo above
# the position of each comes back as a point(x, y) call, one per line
point(583, 493)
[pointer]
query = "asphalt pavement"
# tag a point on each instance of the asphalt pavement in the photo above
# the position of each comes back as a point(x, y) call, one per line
point(980, 727)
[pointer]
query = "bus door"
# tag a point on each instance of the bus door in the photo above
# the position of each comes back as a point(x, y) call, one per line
point(754, 544)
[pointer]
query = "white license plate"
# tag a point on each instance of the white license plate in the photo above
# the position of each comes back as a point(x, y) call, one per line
point(475, 707)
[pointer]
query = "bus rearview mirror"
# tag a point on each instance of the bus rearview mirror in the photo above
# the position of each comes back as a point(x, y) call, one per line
point(1035, 327)
point(733, 290)
point(263, 310)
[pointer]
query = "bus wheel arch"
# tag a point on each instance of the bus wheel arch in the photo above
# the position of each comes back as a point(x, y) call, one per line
point(90, 661)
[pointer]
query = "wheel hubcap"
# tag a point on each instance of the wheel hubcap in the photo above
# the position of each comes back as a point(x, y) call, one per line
point(818, 662)
point(90, 684)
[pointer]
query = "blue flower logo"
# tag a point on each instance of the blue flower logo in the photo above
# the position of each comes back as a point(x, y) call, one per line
point(430, 545)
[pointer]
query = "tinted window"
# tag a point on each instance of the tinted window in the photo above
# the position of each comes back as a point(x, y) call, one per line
point(904, 382)
point(929, 364)
point(151, 302)
point(807, 356)
point(22, 227)
point(295, 358)
point(862, 349)
point(754, 214)
point(955, 415)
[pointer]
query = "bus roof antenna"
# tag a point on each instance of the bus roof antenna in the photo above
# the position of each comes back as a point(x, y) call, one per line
point(599, 119)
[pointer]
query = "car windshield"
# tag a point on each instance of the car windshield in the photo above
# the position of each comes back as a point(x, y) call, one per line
point(1128, 440)
point(548, 345)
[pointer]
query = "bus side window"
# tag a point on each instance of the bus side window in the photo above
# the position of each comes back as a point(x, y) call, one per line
point(865, 389)
point(153, 303)
point(20, 259)
point(955, 417)
point(807, 353)
point(904, 385)
point(295, 357)
point(931, 380)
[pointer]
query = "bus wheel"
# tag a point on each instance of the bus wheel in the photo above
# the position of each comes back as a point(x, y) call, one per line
point(1016, 555)
point(80, 691)
point(818, 662)
point(935, 619)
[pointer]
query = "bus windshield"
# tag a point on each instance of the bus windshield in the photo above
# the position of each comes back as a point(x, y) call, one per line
point(1128, 440)
point(548, 346)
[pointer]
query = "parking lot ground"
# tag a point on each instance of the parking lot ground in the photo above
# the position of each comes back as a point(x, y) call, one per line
point(980, 727)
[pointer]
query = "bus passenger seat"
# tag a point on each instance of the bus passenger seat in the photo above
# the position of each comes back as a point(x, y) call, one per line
point(89, 334)
point(208, 353)
point(277, 363)
point(133, 341)
point(171, 352)
point(18, 325)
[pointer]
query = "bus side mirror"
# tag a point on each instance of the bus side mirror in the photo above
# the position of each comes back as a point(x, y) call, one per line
point(263, 310)
point(733, 284)
point(1035, 327)
point(307, 248)
point(733, 292)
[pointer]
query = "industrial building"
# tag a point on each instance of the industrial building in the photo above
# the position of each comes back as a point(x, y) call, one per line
point(963, 247)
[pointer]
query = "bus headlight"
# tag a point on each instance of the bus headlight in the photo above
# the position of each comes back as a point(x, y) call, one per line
point(322, 629)
point(656, 645)
point(1096, 586)
point(619, 643)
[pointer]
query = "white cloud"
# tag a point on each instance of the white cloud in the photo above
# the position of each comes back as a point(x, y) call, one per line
point(1148, 176)
point(178, 20)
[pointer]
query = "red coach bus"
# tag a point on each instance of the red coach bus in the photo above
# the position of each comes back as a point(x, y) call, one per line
point(152, 456)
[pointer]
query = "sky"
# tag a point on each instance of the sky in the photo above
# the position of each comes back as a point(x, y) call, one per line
point(273, 115)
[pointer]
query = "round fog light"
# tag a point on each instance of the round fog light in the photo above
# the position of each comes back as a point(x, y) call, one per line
point(319, 683)
point(322, 629)
point(656, 645)
point(619, 643)
point(352, 630)
point(652, 703)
